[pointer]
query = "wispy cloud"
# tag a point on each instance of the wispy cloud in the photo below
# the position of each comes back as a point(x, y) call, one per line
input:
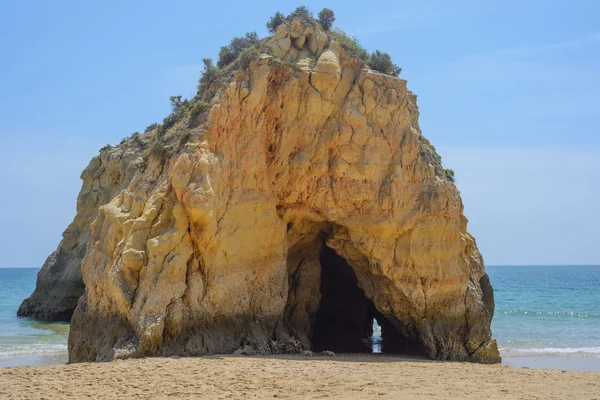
point(530, 205)
point(400, 16)
point(541, 79)
point(532, 50)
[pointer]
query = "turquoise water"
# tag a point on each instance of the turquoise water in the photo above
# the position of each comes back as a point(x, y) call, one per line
point(547, 310)
point(22, 340)
point(546, 316)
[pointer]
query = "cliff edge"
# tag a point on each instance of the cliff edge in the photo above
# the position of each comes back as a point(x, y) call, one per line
point(59, 283)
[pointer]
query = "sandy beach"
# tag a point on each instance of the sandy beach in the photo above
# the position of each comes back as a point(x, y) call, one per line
point(292, 377)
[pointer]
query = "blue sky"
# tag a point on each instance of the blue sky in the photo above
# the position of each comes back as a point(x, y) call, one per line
point(509, 93)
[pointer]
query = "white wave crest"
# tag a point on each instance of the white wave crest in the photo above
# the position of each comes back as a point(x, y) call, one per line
point(566, 351)
point(31, 349)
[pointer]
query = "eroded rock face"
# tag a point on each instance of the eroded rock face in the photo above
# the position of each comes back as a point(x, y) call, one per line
point(59, 283)
point(218, 247)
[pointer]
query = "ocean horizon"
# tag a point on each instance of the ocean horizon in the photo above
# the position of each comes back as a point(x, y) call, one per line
point(547, 316)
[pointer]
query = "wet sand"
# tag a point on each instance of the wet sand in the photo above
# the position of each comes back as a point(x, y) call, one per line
point(292, 377)
point(34, 360)
point(570, 363)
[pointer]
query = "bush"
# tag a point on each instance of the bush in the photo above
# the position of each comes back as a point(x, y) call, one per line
point(303, 14)
point(137, 138)
point(350, 44)
point(158, 148)
point(151, 127)
point(169, 121)
point(226, 56)
point(208, 64)
point(178, 107)
point(382, 62)
point(198, 108)
point(248, 55)
point(275, 21)
point(134, 136)
point(177, 104)
point(326, 18)
point(208, 77)
point(229, 53)
point(187, 135)
point(276, 63)
point(428, 153)
point(450, 175)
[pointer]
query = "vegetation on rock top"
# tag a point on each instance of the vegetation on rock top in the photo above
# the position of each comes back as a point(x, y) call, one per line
point(241, 51)
point(378, 61)
point(326, 18)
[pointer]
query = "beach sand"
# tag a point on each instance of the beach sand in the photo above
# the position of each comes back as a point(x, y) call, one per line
point(292, 377)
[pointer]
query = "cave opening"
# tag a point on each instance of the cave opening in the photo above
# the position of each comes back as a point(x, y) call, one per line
point(347, 320)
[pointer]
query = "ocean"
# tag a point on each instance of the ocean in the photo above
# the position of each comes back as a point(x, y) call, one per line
point(22, 340)
point(546, 317)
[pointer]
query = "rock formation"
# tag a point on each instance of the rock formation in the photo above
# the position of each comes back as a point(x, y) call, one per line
point(300, 206)
point(59, 283)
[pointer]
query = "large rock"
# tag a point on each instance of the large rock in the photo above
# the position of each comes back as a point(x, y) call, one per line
point(310, 40)
point(219, 246)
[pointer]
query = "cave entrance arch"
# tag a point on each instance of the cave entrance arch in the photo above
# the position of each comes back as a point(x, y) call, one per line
point(344, 322)
point(329, 310)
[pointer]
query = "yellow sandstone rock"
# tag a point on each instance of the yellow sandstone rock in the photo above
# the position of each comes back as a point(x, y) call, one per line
point(59, 284)
point(307, 204)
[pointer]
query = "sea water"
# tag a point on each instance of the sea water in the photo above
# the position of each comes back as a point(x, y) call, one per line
point(24, 341)
point(546, 316)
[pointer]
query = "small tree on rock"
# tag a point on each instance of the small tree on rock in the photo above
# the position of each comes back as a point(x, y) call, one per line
point(326, 18)
point(228, 54)
point(175, 104)
point(151, 127)
point(275, 21)
point(382, 62)
point(302, 13)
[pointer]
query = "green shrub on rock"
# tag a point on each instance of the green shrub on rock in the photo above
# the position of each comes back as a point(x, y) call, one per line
point(230, 53)
point(302, 13)
point(350, 44)
point(326, 18)
point(178, 107)
point(158, 148)
point(275, 21)
point(382, 62)
point(151, 127)
point(185, 137)
point(248, 55)
point(198, 108)
point(210, 75)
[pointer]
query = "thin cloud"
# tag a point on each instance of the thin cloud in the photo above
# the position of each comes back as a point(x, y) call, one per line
point(530, 50)
point(526, 66)
point(412, 16)
point(530, 205)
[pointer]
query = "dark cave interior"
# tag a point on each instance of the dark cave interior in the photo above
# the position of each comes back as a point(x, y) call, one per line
point(346, 316)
